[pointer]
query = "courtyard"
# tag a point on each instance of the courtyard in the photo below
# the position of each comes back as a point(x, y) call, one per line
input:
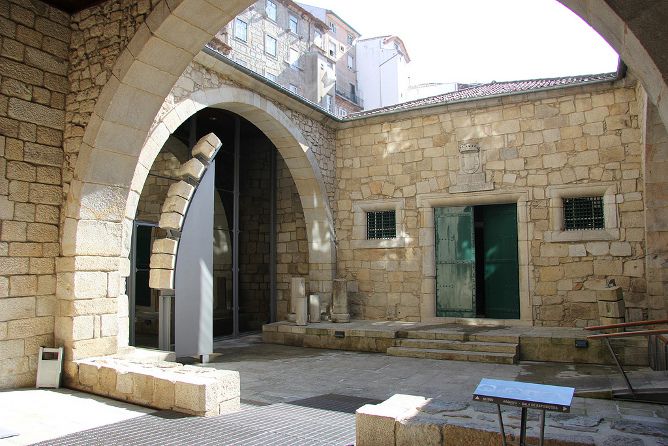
point(294, 395)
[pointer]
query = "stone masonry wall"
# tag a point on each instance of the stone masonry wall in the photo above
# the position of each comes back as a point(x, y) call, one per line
point(291, 240)
point(532, 144)
point(99, 35)
point(34, 45)
point(319, 136)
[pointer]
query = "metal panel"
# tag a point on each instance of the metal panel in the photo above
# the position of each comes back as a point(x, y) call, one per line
point(455, 262)
point(194, 274)
point(500, 261)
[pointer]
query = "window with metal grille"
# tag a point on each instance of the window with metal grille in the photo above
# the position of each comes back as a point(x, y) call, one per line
point(583, 213)
point(381, 225)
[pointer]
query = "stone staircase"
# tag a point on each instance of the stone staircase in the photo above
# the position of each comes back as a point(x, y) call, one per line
point(456, 346)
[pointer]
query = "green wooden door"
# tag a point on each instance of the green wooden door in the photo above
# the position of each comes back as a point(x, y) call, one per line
point(455, 262)
point(500, 261)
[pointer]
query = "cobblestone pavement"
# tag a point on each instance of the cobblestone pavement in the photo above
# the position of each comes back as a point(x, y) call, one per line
point(294, 395)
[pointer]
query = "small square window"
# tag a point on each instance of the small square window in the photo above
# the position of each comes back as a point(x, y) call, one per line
point(271, 10)
point(583, 213)
point(381, 225)
point(270, 45)
point(241, 30)
point(293, 24)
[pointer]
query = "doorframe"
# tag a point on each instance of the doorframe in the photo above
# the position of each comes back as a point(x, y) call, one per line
point(426, 204)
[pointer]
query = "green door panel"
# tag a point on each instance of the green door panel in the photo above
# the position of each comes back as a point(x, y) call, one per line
point(455, 261)
point(500, 261)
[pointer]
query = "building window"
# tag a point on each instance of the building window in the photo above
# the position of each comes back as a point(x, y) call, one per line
point(332, 26)
point(343, 112)
point(317, 39)
point(381, 225)
point(294, 58)
point(332, 49)
point(583, 213)
point(293, 89)
point(270, 45)
point(241, 30)
point(350, 39)
point(293, 23)
point(329, 103)
point(271, 10)
point(351, 62)
point(270, 76)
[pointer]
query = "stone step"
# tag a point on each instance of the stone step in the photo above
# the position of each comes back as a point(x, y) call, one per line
point(458, 336)
point(446, 344)
point(453, 355)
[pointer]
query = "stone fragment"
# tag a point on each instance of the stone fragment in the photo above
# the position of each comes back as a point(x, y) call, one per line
point(175, 204)
point(165, 246)
point(171, 220)
point(193, 169)
point(181, 189)
point(205, 149)
point(161, 279)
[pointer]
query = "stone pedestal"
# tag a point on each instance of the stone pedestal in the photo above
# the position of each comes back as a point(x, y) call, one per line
point(301, 313)
point(313, 308)
point(297, 289)
point(340, 302)
point(611, 307)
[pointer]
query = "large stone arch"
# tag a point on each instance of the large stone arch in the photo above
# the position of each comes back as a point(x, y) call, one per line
point(290, 143)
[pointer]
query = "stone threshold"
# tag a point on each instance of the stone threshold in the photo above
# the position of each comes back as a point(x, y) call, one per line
point(541, 344)
point(152, 378)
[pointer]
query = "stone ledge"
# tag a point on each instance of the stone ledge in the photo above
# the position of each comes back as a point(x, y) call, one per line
point(404, 420)
point(159, 384)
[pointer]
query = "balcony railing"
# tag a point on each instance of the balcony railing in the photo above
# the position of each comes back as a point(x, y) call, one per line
point(352, 97)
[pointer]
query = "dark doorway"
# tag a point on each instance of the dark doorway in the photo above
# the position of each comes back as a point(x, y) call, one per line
point(477, 272)
point(243, 207)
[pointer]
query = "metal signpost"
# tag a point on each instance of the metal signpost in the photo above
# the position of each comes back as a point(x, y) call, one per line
point(525, 396)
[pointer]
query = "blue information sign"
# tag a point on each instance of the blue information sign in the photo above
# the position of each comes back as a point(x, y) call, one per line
point(527, 395)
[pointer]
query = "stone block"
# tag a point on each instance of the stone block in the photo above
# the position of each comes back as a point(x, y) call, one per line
point(161, 279)
point(163, 261)
point(610, 294)
point(165, 246)
point(88, 375)
point(613, 309)
point(17, 308)
point(418, 431)
point(205, 149)
point(181, 189)
point(171, 220)
point(193, 169)
point(175, 204)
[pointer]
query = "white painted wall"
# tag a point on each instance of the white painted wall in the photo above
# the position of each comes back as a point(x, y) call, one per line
point(382, 73)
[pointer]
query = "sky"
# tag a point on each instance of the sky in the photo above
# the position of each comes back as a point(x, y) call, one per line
point(482, 40)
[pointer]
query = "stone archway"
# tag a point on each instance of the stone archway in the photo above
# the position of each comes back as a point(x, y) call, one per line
point(290, 143)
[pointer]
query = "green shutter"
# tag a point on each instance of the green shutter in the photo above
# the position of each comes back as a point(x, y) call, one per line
point(455, 262)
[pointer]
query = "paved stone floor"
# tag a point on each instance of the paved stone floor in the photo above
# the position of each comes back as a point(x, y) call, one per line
point(294, 395)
